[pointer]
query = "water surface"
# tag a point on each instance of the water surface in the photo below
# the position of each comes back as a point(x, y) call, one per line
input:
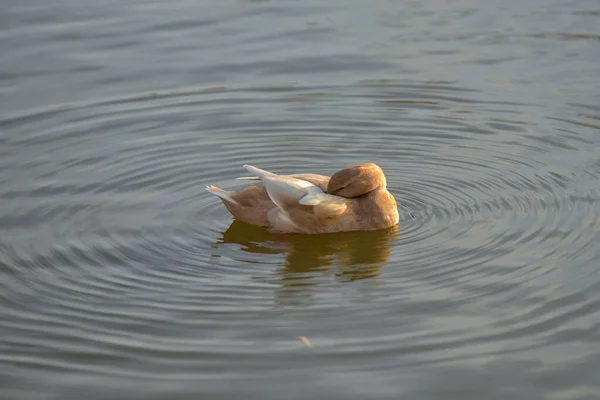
point(120, 277)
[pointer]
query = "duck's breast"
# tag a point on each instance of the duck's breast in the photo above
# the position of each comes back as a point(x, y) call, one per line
point(376, 210)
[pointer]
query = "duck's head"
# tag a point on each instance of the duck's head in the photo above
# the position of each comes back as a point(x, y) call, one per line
point(356, 180)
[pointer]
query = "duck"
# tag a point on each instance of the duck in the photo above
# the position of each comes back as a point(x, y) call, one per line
point(352, 199)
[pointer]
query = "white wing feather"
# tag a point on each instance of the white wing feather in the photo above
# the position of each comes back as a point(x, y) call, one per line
point(285, 191)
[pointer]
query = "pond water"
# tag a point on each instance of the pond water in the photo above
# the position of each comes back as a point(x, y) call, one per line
point(122, 278)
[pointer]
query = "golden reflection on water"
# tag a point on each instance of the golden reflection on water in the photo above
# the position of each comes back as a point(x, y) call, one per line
point(309, 259)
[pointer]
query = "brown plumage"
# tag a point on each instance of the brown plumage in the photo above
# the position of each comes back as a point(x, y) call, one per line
point(353, 199)
point(251, 203)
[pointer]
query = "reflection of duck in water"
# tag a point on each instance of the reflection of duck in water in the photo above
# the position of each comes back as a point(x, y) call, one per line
point(349, 255)
point(353, 199)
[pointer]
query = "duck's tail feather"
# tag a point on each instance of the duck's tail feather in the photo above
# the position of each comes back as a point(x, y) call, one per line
point(221, 193)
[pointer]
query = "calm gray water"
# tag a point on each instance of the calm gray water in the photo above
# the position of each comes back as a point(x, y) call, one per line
point(121, 278)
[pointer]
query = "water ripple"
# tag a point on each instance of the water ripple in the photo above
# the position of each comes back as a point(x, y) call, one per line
point(129, 258)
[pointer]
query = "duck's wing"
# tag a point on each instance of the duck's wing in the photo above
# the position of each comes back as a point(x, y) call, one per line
point(316, 179)
point(288, 192)
point(284, 191)
point(326, 205)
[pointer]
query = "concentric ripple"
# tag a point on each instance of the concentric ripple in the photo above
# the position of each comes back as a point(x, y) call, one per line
point(117, 264)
